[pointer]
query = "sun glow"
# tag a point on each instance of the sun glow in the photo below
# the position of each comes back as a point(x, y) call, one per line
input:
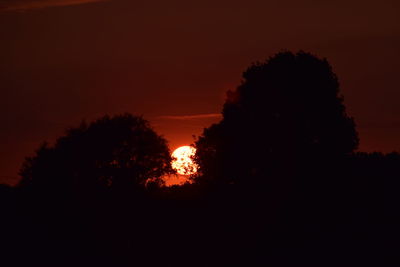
point(182, 160)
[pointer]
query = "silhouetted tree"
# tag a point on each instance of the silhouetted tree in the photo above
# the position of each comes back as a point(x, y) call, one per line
point(117, 152)
point(286, 115)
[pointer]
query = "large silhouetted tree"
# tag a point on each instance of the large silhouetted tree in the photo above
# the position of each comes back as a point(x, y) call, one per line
point(286, 114)
point(117, 152)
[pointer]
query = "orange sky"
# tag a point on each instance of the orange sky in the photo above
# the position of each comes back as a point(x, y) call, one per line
point(65, 60)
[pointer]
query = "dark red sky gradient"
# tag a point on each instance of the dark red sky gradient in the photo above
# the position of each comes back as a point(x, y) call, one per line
point(65, 60)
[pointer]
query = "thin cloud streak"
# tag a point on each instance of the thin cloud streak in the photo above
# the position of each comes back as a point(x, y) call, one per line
point(379, 124)
point(24, 5)
point(192, 117)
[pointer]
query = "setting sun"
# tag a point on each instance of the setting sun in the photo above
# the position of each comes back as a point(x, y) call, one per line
point(182, 160)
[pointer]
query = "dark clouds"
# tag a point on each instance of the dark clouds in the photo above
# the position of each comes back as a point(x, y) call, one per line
point(25, 5)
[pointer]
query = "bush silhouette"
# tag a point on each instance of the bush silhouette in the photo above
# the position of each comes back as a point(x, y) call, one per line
point(112, 152)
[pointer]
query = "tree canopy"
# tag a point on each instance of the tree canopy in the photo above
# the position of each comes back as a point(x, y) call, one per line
point(287, 110)
point(120, 151)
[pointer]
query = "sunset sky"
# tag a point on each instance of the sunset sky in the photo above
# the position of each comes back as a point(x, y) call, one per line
point(62, 61)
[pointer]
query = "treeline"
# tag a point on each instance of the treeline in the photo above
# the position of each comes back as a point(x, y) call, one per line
point(280, 183)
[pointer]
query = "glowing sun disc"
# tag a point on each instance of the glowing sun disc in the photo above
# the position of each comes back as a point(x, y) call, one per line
point(182, 160)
